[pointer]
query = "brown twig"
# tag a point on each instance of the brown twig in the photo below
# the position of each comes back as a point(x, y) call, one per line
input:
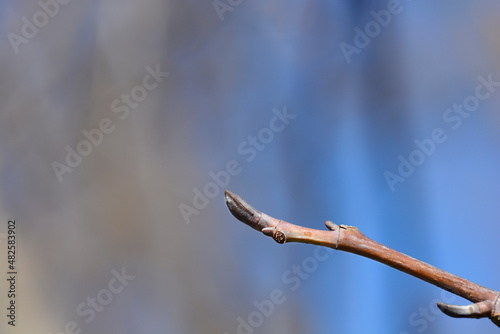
point(350, 239)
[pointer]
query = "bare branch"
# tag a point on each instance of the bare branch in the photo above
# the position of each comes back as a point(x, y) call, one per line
point(350, 239)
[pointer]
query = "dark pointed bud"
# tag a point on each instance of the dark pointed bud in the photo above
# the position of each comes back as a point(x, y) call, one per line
point(243, 211)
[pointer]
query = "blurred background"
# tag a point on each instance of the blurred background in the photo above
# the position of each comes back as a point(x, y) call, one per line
point(114, 168)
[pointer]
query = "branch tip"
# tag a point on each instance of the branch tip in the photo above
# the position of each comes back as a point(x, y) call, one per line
point(243, 211)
